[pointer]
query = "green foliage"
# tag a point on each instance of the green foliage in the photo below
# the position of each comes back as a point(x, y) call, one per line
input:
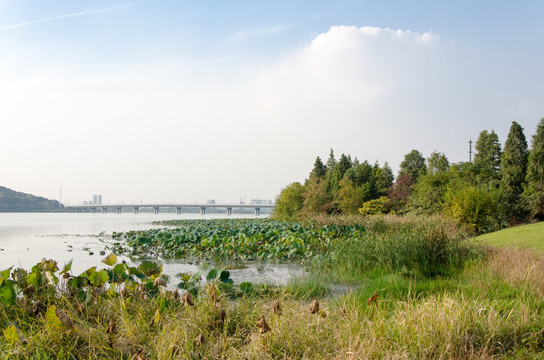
point(425, 246)
point(413, 165)
point(488, 154)
point(289, 203)
point(319, 171)
point(218, 275)
point(475, 206)
point(110, 260)
point(350, 198)
point(190, 283)
point(375, 207)
point(331, 162)
point(98, 278)
point(384, 179)
point(535, 174)
point(7, 293)
point(316, 198)
point(337, 174)
point(232, 239)
point(339, 187)
point(247, 288)
point(437, 162)
point(11, 335)
point(513, 170)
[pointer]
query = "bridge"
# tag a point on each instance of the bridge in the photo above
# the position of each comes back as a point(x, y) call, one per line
point(118, 208)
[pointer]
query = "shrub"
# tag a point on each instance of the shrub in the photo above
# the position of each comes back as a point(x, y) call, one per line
point(375, 207)
point(289, 203)
point(475, 206)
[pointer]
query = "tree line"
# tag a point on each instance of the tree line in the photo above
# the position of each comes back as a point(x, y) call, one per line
point(501, 187)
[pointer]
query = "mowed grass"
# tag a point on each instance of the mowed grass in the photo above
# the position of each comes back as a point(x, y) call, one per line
point(524, 237)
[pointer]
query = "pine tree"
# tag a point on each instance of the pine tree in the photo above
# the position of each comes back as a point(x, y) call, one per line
point(331, 162)
point(319, 169)
point(513, 170)
point(384, 179)
point(488, 154)
point(535, 174)
point(343, 164)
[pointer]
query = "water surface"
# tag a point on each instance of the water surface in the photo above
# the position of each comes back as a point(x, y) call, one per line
point(27, 238)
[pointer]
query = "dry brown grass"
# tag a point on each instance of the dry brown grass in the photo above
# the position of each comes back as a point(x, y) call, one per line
point(520, 268)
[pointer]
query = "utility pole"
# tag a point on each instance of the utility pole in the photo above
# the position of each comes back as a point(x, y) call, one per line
point(470, 151)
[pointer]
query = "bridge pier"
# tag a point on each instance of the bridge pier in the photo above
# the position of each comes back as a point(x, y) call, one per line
point(118, 209)
point(155, 209)
point(178, 210)
point(136, 209)
point(202, 210)
point(104, 210)
point(257, 211)
point(93, 210)
point(229, 211)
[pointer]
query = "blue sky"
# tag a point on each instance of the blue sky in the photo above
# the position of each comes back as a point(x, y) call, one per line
point(193, 100)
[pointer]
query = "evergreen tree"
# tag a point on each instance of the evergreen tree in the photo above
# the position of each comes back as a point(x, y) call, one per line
point(363, 173)
point(331, 162)
point(413, 165)
point(319, 169)
point(535, 174)
point(488, 153)
point(437, 162)
point(384, 179)
point(338, 172)
point(513, 170)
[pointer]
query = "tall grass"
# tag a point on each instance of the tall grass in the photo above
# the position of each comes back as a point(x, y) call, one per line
point(419, 246)
point(459, 324)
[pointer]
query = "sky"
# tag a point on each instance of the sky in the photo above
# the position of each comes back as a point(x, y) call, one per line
point(186, 100)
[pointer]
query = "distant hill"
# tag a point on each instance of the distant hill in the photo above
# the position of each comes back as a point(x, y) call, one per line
point(14, 201)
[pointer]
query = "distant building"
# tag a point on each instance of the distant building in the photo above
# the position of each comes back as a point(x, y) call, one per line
point(210, 202)
point(97, 200)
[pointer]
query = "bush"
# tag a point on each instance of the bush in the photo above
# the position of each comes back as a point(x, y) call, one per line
point(375, 207)
point(475, 206)
point(290, 202)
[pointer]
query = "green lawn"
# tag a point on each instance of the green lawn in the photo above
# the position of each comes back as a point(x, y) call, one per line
point(526, 236)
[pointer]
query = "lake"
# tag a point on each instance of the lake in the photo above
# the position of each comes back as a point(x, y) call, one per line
point(27, 238)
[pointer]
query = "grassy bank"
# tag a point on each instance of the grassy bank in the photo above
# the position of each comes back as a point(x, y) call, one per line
point(486, 306)
point(525, 237)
